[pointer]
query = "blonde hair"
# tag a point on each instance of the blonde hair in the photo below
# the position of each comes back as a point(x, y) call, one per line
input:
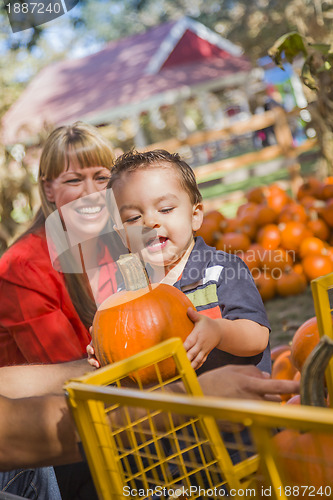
point(82, 144)
point(79, 143)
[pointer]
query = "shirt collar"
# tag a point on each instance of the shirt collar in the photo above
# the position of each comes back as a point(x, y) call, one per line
point(198, 260)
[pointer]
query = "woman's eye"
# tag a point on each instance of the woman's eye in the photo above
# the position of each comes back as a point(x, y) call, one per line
point(73, 181)
point(103, 179)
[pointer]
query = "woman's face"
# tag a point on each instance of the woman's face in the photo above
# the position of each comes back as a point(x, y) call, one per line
point(79, 195)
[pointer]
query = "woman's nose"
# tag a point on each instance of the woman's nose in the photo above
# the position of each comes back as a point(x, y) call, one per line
point(89, 186)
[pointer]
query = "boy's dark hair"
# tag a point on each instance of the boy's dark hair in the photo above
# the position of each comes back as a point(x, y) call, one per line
point(133, 160)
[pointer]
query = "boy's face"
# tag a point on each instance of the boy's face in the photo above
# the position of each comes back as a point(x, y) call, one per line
point(154, 199)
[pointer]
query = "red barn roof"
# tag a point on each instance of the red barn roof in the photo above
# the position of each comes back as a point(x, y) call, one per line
point(130, 75)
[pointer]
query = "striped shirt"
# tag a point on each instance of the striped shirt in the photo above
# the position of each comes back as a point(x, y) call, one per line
point(220, 284)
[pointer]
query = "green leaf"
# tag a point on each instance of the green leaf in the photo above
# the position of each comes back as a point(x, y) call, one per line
point(288, 46)
point(307, 77)
point(323, 48)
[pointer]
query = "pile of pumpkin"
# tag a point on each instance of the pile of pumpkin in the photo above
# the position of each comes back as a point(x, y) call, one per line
point(285, 242)
point(304, 458)
point(288, 360)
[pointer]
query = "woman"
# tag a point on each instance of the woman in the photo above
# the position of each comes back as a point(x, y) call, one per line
point(45, 314)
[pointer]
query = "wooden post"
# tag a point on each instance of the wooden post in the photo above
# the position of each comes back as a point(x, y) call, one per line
point(139, 138)
point(183, 130)
point(208, 120)
point(285, 140)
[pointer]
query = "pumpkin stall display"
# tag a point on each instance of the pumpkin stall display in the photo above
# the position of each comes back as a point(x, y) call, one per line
point(138, 318)
point(300, 227)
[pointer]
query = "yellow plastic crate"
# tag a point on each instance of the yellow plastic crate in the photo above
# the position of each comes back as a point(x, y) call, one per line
point(153, 448)
point(322, 293)
point(142, 443)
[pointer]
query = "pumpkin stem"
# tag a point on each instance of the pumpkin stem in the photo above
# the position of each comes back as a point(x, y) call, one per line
point(313, 373)
point(133, 271)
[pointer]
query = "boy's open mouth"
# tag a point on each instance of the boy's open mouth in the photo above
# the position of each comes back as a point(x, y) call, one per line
point(156, 244)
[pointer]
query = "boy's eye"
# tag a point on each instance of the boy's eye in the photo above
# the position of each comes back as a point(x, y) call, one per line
point(135, 218)
point(166, 210)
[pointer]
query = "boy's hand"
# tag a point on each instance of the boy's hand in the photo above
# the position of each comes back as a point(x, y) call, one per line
point(204, 337)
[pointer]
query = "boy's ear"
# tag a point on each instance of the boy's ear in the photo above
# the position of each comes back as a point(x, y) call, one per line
point(197, 216)
point(48, 190)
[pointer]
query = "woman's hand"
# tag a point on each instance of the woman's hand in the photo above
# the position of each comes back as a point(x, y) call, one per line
point(245, 382)
point(92, 360)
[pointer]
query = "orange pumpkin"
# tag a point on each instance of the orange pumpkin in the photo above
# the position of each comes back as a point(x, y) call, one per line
point(317, 265)
point(133, 320)
point(293, 211)
point(294, 400)
point(233, 242)
point(305, 459)
point(207, 231)
point(276, 197)
point(326, 192)
point(304, 340)
point(265, 215)
point(247, 209)
point(311, 187)
point(329, 252)
point(277, 260)
point(290, 283)
point(283, 369)
point(277, 350)
point(292, 234)
point(269, 236)
point(210, 227)
point(215, 217)
point(311, 246)
point(326, 213)
point(253, 256)
point(319, 228)
point(256, 195)
point(265, 284)
point(298, 268)
point(229, 225)
point(308, 202)
point(247, 225)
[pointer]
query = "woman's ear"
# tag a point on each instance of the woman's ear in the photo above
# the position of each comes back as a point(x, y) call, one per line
point(48, 190)
point(197, 216)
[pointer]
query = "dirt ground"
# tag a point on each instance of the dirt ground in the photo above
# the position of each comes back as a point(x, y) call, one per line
point(286, 314)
